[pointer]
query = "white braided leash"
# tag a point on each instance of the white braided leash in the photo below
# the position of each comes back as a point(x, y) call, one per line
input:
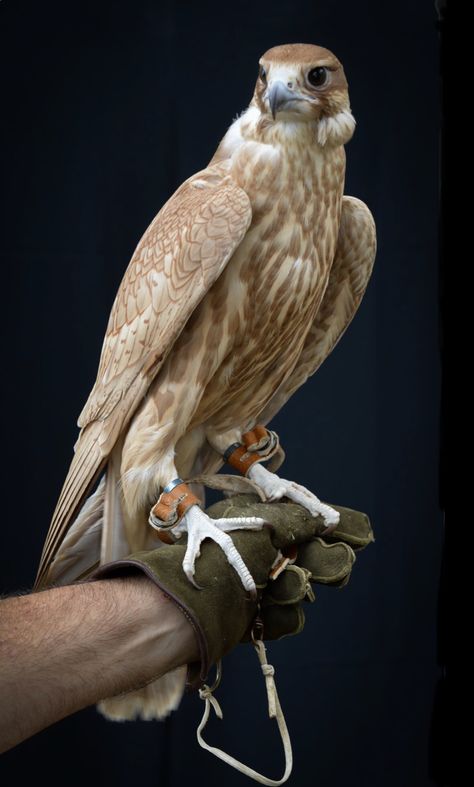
point(274, 712)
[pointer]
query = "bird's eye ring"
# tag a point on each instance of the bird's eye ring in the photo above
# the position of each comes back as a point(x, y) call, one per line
point(317, 76)
point(263, 75)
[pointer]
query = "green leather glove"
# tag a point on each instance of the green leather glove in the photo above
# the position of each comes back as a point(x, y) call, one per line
point(222, 613)
point(325, 560)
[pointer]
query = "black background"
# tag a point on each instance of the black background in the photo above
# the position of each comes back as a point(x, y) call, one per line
point(106, 108)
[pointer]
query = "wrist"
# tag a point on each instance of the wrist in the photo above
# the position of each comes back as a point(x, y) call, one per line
point(145, 634)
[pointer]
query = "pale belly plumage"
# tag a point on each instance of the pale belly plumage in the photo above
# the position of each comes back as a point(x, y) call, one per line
point(261, 333)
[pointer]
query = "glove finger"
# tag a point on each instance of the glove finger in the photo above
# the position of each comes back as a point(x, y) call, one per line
point(291, 586)
point(342, 583)
point(280, 621)
point(329, 564)
point(291, 523)
point(354, 527)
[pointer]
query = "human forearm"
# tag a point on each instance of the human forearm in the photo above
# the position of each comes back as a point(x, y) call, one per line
point(66, 648)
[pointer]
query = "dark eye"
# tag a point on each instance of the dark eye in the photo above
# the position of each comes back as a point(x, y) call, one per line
point(263, 74)
point(317, 76)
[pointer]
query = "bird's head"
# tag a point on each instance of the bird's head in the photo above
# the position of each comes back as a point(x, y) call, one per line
point(305, 83)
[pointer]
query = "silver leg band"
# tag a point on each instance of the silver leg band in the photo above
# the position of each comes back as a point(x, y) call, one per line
point(175, 482)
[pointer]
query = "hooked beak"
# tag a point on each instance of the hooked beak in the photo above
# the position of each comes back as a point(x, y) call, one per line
point(278, 95)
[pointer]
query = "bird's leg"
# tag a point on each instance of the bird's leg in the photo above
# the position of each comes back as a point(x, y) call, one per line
point(177, 511)
point(274, 488)
point(149, 464)
point(257, 446)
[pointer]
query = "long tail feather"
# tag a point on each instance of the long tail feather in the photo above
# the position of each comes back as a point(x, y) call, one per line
point(162, 696)
point(79, 553)
point(114, 540)
point(98, 533)
point(86, 466)
point(154, 701)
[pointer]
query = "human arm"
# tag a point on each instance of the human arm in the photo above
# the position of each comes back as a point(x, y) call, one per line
point(68, 647)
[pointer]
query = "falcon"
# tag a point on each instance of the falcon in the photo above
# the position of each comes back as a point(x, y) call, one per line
point(236, 293)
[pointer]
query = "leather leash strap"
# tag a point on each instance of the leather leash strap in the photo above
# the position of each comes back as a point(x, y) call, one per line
point(274, 712)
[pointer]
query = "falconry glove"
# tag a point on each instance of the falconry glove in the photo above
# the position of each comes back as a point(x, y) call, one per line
point(292, 550)
point(285, 558)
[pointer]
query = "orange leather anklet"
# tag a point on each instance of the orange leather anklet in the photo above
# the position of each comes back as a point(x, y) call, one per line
point(170, 508)
point(257, 445)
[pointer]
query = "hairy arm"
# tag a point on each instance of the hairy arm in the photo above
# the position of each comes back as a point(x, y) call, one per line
point(69, 647)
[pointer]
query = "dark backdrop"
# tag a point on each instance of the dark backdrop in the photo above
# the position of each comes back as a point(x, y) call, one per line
point(107, 107)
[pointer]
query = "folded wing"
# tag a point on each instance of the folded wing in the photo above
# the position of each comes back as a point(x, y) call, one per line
point(180, 256)
point(350, 273)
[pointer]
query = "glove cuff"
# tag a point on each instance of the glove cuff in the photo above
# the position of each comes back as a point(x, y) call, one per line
point(222, 610)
